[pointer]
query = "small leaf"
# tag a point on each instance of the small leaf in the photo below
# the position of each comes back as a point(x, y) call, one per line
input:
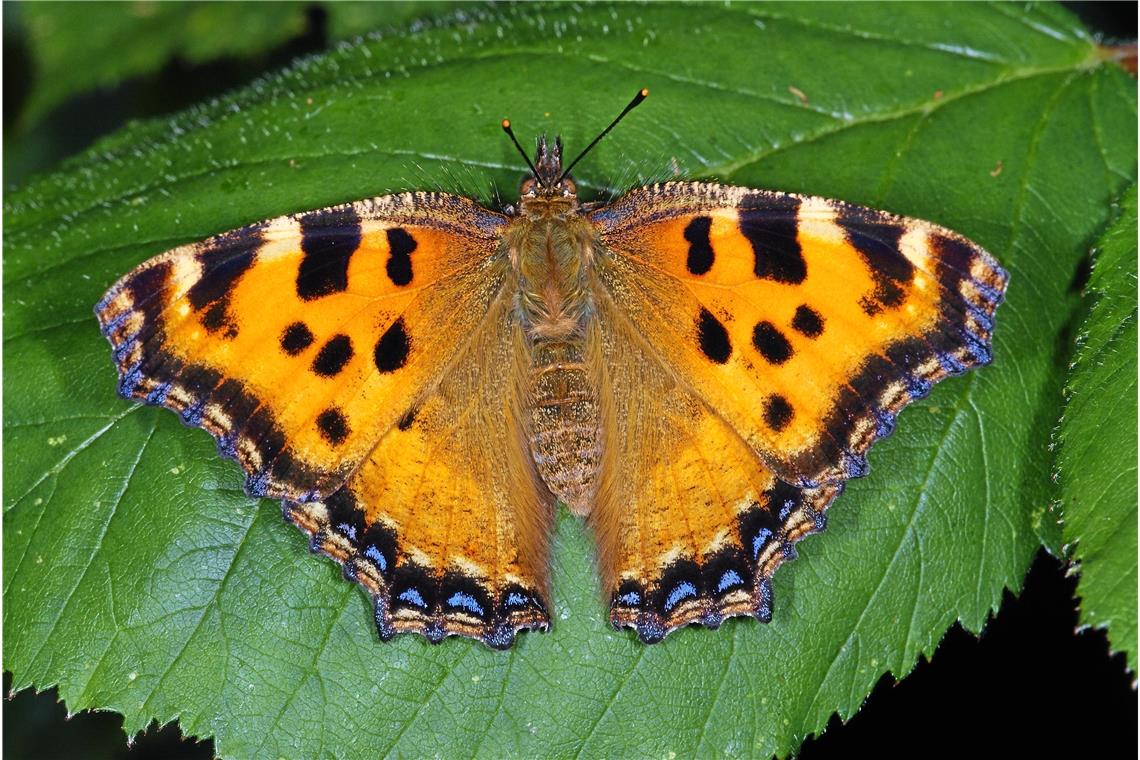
point(1097, 461)
point(79, 47)
point(76, 47)
point(140, 579)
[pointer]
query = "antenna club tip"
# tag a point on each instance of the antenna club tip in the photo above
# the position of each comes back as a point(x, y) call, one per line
point(506, 123)
point(644, 92)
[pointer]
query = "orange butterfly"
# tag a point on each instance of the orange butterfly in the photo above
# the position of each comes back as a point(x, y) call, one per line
point(696, 369)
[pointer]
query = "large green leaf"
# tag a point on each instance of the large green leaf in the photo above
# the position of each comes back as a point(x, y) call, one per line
point(140, 579)
point(1097, 461)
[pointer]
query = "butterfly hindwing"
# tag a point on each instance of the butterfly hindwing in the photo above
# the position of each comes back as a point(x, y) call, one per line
point(690, 522)
point(806, 323)
point(445, 522)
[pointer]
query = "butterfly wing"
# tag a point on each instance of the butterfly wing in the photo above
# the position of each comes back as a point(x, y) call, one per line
point(327, 352)
point(756, 344)
point(299, 341)
point(690, 522)
point(805, 323)
point(446, 522)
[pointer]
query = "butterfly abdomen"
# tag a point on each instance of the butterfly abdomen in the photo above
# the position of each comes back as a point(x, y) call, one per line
point(555, 310)
point(565, 432)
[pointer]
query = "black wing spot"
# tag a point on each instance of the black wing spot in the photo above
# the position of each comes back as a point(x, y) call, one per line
point(224, 260)
point(808, 321)
point(217, 319)
point(333, 356)
point(296, 338)
point(400, 246)
point(332, 426)
point(713, 338)
point(877, 241)
point(778, 412)
point(392, 348)
point(771, 343)
point(328, 240)
point(769, 224)
point(701, 257)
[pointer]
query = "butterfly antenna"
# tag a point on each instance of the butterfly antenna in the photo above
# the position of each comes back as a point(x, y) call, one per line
point(511, 134)
point(641, 95)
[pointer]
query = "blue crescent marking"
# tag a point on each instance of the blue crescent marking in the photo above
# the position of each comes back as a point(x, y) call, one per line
point(728, 580)
point(465, 601)
point(376, 556)
point(411, 596)
point(759, 540)
point(683, 590)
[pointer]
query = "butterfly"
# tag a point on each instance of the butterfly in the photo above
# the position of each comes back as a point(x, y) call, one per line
point(695, 369)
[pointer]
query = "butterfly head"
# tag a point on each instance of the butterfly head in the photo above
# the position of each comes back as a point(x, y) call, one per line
point(548, 180)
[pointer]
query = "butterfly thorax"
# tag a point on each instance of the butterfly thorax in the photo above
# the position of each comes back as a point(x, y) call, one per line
point(550, 247)
point(549, 243)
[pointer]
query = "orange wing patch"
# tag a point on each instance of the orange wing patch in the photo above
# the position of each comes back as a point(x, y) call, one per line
point(298, 342)
point(690, 522)
point(808, 323)
point(445, 522)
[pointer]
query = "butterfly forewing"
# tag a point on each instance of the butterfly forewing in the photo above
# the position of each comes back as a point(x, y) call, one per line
point(299, 341)
point(807, 324)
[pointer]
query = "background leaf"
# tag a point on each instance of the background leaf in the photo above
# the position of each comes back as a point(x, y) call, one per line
point(77, 46)
point(140, 579)
point(1097, 461)
point(81, 46)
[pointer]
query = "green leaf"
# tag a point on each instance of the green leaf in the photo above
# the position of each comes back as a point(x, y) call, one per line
point(76, 47)
point(1097, 461)
point(71, 42)
point(348, 19)
point(140, 579)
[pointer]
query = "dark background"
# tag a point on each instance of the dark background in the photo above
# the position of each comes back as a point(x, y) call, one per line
point(1030, 684)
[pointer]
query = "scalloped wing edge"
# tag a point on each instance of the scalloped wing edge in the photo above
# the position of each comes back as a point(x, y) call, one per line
point(245, 430)
point(733, 583)
point(407, 599)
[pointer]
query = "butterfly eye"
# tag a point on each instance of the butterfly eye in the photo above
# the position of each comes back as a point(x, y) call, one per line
point(568, 187)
